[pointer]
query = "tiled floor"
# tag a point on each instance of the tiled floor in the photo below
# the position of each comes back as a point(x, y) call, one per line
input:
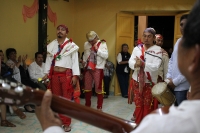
point(115, 105)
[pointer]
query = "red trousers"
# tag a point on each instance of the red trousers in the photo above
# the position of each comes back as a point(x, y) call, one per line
point(96, 76)
point(60, 85)
point(143, 101)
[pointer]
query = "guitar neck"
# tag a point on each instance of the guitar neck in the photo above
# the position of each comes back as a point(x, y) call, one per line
point(13, 94)
point(88, 115)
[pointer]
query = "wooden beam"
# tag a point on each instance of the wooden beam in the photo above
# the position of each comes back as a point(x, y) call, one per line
point(42, 25)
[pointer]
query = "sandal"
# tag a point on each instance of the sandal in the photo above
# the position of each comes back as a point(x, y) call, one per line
point(27, 110)
point(66, 128)
point(133, 118)
point(6, 123)
point(19, 113)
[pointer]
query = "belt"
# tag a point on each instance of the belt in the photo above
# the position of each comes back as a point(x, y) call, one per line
point(67, 72)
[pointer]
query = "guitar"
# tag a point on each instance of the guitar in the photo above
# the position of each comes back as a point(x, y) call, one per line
point(12, 93)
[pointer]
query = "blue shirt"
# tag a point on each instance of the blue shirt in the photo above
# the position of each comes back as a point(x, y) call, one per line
point(178, 79)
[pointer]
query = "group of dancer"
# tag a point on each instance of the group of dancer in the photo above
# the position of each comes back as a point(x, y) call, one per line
point(62, 68)
point(146, 60)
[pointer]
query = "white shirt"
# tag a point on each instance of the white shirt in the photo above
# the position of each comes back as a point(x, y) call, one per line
point(36, 71)
point(164, 65)
point(54, 129)
point(182, 119)
point(102, 54)
point(69, 56)
point(153, 59)
point(178, 79)
point(119, 58)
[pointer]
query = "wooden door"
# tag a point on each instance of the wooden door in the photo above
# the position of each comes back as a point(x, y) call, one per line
point(125, 34)
point(177, 32)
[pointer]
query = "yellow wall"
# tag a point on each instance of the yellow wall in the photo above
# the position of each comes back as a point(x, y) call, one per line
point(23, 36)
point(14, 32)
point(65, 15)
point(100, 16)
point(80, 16)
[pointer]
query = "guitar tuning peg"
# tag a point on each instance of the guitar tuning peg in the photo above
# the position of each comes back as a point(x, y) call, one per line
point(19, 89)
point(6, 86)
point(13, 84)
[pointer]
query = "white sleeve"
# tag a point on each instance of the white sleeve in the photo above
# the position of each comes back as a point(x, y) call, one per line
point(75, 64)
point(54, 129)
point(165, 65)
point(48, 62)
point(86, 52)
point(119, 58)
point(31, 71)
point(155, 64)
point(103, 51)
point(132, 60)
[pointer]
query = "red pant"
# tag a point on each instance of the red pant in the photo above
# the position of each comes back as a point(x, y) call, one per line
point(96, 76)
point(60, 85)
point(143, 101)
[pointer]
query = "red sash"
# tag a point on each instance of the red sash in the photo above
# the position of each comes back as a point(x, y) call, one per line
point(141, 72)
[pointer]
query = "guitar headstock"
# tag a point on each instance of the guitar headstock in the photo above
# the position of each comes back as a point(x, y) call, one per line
point(13, 93)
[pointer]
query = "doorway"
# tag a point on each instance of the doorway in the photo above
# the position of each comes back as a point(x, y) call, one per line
point(127, 31)
point(163, 25)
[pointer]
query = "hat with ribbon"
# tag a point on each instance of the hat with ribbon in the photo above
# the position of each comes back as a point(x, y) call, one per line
point(91, 35)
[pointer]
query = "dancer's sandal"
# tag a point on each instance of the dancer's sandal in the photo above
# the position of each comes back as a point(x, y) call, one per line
point(66, 128)
point(27, 107)
point(6, 123)
point(20, 114)
point(133, 118)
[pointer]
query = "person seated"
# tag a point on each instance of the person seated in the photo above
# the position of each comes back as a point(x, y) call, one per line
point(20, 67)
point(19, 71)
point(108, 73)
point(6, 73)
point(181, 119)
point(36, 71)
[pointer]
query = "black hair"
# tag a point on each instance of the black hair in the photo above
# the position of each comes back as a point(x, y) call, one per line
point(185, 16)
point(123, 46)
point(10, 50)
point(191, 35)
point(1, 51)
point(37, 53)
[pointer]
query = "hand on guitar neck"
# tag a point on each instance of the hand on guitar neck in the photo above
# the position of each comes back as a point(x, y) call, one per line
point(44, 113)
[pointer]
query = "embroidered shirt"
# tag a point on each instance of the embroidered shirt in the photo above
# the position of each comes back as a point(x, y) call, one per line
point(69, 56)
point(153, 59)
point(102, 54)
